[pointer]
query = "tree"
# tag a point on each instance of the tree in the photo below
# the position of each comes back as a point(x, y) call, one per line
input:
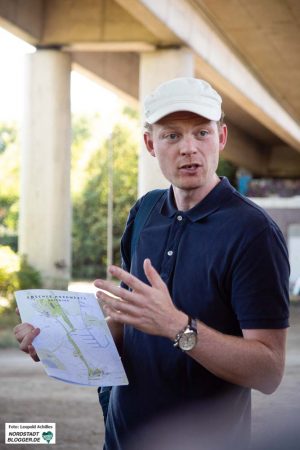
point(8, 135)
point(89, 188)
point(90, 206)
point(227, 169)
point(9, 184)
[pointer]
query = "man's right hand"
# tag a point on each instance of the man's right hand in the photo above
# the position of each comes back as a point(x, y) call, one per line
point(25, 333)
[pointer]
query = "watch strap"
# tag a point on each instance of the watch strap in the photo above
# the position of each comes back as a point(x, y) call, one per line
point(191, 325)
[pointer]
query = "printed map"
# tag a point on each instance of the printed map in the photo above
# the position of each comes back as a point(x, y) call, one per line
point(75, 344)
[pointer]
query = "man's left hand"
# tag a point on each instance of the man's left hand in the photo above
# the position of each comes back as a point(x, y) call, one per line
point(148, 308)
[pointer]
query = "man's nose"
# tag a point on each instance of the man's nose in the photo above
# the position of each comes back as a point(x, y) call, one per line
point(188, 146)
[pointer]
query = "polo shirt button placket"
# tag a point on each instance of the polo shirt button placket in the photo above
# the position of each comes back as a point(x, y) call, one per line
point(170, 253)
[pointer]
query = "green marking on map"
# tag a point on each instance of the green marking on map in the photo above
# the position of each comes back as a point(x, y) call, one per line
point(52, 306)
point(91, 372)
point(49, 356)
point(75, 344)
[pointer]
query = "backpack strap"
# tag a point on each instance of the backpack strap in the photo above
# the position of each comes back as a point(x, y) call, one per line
point(143, 213)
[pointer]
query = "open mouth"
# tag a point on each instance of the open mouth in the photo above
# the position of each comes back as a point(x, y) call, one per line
point(193, 166)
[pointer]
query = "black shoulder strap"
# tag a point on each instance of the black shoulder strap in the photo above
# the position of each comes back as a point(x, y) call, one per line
point(144, 211)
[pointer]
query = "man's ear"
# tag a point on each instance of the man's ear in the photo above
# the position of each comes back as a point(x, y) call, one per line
point(149, 143)
point(223, 133)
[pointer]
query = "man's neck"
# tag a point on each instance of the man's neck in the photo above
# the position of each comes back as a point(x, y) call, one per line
point(187, 199)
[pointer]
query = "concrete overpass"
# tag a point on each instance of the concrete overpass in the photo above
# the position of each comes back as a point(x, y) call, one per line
point(248, 50)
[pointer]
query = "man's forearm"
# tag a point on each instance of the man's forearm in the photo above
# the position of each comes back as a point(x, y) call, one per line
point(255, 360)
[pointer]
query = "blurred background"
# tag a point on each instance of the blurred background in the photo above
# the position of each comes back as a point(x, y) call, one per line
point(72, 77)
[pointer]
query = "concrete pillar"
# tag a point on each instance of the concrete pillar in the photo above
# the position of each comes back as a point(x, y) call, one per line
point(45, 204)
point(155, 68)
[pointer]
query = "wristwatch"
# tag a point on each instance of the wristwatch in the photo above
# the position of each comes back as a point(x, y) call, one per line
point(186, 339)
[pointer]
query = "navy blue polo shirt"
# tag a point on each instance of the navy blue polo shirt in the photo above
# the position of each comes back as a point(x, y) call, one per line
point(225, 263)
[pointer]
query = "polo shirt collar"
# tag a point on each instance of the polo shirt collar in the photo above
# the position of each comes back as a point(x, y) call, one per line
point(213, 201)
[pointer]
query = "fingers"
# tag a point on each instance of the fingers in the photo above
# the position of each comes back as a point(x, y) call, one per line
point(131, 281)
point(26, 344)
point(27, 340)
point(22, 330)
point(134, 283)
point(113, 305)
point(120, 311)
point(33, 353)
point(112, 288)
point(18, 312)
point(153, 276)
point(142, 305)
point(139, 291)
point(25, 334)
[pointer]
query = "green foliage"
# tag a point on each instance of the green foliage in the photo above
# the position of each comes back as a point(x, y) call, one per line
point(88, 132)
point(9, 184)
point(227, 169)
point(9, 163)
point(131, 112)
point(28, 276)
point(89, 192)
point(10, 240)
point(90, 208)
point(81, 133)
point(9, 266)
point(15, 273)
point(9, 214)
point(81, 129)
point(8, 135)
point(6, 204)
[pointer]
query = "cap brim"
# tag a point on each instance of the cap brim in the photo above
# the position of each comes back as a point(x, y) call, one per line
point(208, 111)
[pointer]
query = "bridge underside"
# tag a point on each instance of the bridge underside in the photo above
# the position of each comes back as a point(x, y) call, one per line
point(249, 51)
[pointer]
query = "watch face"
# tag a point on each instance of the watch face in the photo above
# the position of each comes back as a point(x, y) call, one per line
point(188, 340)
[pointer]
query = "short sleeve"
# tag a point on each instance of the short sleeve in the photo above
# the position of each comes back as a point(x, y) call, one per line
point(260, 282)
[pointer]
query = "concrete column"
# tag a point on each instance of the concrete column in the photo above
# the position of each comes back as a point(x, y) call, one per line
point(45, 204)
point(155, 68)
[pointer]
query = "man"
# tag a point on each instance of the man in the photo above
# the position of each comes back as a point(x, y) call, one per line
point(202, 310)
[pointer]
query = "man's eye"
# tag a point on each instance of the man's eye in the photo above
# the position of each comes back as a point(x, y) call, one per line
point(203, 133)
point(171, 136)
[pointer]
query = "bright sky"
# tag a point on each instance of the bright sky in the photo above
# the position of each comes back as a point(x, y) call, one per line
point(86, 95)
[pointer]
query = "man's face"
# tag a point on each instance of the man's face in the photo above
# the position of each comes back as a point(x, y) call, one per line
point(187, 147)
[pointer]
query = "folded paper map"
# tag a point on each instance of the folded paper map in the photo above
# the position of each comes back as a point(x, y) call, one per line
point(75, 344)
